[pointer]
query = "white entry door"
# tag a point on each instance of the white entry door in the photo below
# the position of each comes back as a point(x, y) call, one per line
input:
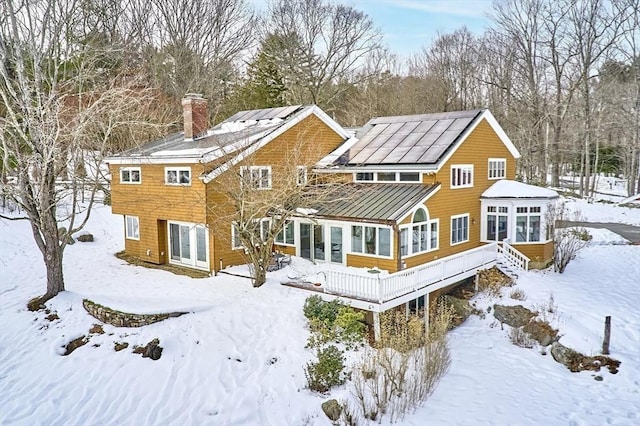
point(189, 244)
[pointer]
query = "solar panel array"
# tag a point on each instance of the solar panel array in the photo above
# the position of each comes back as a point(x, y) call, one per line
point(410, 139)
point(263, 114)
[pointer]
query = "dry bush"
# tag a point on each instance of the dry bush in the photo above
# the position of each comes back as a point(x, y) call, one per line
point(517, 294)
point(491, 281)
point(404, 368)
point(521, 338)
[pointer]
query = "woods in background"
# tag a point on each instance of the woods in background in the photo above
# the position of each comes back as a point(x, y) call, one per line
point(561, 76)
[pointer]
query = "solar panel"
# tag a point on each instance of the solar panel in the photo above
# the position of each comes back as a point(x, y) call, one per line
point(423, 138)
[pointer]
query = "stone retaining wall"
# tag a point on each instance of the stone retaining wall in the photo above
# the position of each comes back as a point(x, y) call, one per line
point(124, 319)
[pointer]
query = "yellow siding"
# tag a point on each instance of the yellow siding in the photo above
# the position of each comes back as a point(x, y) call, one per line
point(539, 254)
point(154, 202)
point(358, 261)
point(304, 144)
point(483, 143)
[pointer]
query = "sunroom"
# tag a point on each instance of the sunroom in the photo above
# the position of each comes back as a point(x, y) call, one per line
point(518, 212)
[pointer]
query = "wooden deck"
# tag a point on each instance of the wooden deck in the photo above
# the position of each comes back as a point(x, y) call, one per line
point(379, 292)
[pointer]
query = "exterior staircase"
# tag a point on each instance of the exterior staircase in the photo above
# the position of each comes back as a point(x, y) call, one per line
point(510, 261)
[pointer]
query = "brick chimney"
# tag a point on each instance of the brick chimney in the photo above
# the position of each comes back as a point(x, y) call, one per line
point(196, 116)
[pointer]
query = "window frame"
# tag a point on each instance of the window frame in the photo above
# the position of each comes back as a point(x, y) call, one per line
point(366, 229)
point(302, 175)
point(466, 228)
point(282, 237)
point(454, 176)
point(178, 170)
point(528, 212)
point(385, 177)
point(425, 226)
point(493, 167)
point(131, 169)
point(252, 169)
point(136, 228)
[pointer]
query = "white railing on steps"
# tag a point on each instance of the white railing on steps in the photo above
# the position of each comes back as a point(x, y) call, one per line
point(512, 257)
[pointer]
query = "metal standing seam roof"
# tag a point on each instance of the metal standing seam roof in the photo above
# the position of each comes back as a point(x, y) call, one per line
point(375, 201)
point(409, 139)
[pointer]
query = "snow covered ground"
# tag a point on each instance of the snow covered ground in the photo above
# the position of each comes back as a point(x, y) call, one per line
point(238, 357)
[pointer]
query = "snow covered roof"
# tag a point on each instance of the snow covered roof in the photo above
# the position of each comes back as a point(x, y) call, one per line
point(513, 189)
point(241, 132)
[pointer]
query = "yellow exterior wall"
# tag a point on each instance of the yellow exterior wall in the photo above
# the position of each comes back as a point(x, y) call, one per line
point(302, 145)
point(483, 143)
point(154, 202)
point(539, 254)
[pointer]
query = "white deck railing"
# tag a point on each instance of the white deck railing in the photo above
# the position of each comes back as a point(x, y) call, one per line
point(382, 288)
point(512, 256)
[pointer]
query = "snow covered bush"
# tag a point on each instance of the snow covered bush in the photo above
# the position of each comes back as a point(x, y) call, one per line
point(567, 241)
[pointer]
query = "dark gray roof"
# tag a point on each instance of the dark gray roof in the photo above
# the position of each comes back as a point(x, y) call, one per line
point(263, 114)
point(409, 139)
point(375, 201)
point(176, 142)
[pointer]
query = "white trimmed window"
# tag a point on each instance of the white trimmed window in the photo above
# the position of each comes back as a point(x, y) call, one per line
point(286, 236)
point(387, 177)
point(419, 237)
point(132, 228)
point(459, 229)
point(258, 177)
point(497, 168)
point(371, 240)
point(130, 175)
point(462, 176)
point(236, 242)
point(177, 175)
point(528, 221)
point(301, 175)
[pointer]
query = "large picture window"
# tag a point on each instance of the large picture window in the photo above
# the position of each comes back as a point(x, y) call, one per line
point(528, 221)
point(459, 229)
point(371, 240)
point(462, 176)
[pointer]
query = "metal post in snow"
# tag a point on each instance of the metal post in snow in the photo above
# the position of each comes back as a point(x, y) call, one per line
point(607, 335)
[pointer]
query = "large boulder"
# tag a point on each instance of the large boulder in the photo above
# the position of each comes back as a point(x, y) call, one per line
point(85, 238)
point(65, 237)
point(332, 409)
point(542, 332)
point(515, 316)
point(575, 361)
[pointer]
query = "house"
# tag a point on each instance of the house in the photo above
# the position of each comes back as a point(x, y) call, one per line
point(427, 200)
point(169, 190)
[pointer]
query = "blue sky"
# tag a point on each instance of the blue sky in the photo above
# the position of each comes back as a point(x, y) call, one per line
point(409, 25)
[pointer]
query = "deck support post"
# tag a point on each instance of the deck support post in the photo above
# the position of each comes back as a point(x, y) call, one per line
point(406, 311)
point(426, 313)
point(376, 326)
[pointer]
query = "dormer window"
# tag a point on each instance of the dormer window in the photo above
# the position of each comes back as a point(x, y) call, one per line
point(130, 175)
point(177, 175)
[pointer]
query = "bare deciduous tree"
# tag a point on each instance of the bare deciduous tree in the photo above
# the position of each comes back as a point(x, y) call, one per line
point(58, 101)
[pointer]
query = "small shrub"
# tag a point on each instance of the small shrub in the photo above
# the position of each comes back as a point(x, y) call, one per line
point(517, 294)
point(327, 372)
point(520, 338)
point(349, 326)
point(318, 309)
